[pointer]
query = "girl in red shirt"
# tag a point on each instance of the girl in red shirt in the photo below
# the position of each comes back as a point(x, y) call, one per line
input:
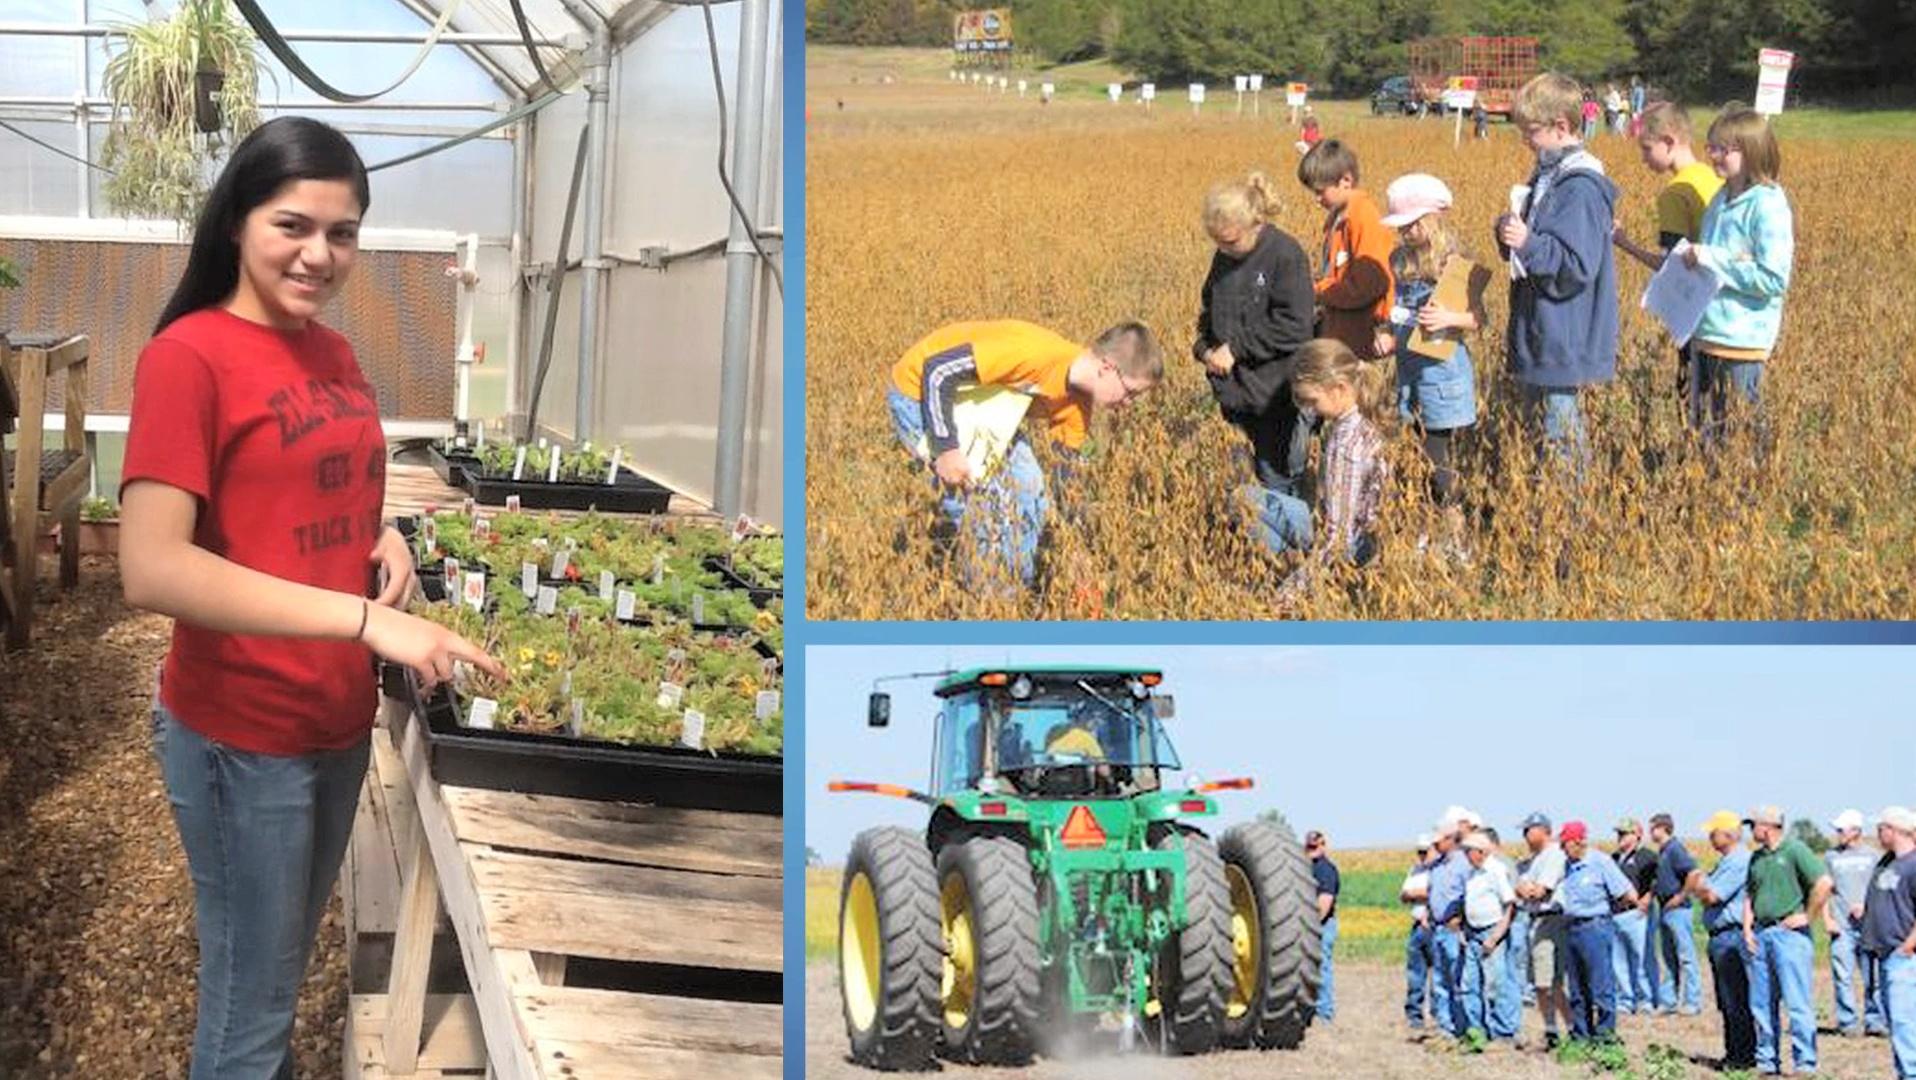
point(252, 504)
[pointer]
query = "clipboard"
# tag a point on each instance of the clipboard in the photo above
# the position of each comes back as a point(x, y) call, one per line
point(1459, 288)
point(987, 419)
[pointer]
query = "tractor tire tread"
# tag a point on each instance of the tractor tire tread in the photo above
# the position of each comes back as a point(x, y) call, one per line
point(1272, 859)
point(904, 1034)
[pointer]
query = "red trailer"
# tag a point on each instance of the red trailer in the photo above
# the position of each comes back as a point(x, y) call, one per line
point(1501, 66)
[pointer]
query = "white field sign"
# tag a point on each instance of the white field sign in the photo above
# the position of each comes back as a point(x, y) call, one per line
point(1239, 84)
point(1148, 93)
point(1115, 91)
point(1197, 97)
point(1257, 93)
point(1021, 88)
point(1045, 90)
point(1772, 79)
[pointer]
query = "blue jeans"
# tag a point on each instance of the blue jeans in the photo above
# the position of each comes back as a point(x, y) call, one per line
point(1283, 519)
point(1677, 946)
point(1447, 989)
point(1554, 413)
point(264, 836)
point(1780, 981)
point(1006, 512)
point(1724, 380)
point(1418, 967)
point(1326, 985)
point(1849, 966)
point(1730, 972)
point(1633, 946)
point(1589, 974)
point(1482, 984)
point(1516, 962)
point(1899, 998)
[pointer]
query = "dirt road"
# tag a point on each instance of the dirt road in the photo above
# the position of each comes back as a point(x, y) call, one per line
point(1368, 1041)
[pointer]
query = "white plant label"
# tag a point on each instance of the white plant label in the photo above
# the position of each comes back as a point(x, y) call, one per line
point(552, 467)
point(612, 474)
point(481, 714)
point(658, 568)
point(479, 434)
point(741, 528)
point(698, 608)
point(627, 604)
point(518, 468)
point(542, 442)
point(572, 620)
point(512, 504)
point(548, 601)
point(561, 559)
point(606, 585)
point(529, 579)
point(670, 694)
point(769, 666)
point(459, 442)
point(565, 684)
point(576, 726)
point(480, 524)
point(692, 730)
point(675, 656)
point(542, 543)
point(767, 704)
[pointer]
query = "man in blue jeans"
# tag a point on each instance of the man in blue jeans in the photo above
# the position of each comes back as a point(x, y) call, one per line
point(1489, 899)
point(1788, 887)
point(1723, 891)
point(1418, 962)
point(1889, 931)
point(1676, 922)
point(1852, 864)
point(1634, 939)
point(1592, 888)
point(1318, 847)
point(1447, 878)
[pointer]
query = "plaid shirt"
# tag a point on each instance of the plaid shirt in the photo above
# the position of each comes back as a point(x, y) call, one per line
point(1351, 486)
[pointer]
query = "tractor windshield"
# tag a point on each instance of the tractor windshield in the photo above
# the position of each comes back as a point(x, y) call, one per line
point(1070, 725)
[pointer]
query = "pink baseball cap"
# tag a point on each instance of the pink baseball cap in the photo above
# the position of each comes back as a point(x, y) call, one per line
point(1573, 830)
point(1413, 195)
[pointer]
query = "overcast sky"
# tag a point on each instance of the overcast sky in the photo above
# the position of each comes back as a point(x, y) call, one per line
point(1370, 743)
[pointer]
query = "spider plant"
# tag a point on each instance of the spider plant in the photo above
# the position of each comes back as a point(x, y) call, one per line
point(184, 88)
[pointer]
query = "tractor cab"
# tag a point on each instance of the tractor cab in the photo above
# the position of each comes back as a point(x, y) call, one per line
point(1051, 733)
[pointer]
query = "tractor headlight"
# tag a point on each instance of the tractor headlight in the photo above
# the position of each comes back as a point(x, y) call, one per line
point(1021, 688)
point(1139, 690)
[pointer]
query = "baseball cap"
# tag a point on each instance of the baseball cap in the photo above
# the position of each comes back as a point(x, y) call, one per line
point(1536, 820)
point(1574, 830)
point(1478, 842)
point(1628, 825)
point(1899, 817)
point(1472, 818)
point(1452, 817)
point(1765, 815)
point(1723, 821)
point(1663, 819)
point(1423, 841)
point(1848, 819)
point(1413, 195)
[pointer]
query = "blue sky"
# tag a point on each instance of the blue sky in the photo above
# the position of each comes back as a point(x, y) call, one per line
point(1370, 743)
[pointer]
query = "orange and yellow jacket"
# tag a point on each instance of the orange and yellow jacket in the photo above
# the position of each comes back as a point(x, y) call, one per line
point(1354, 283)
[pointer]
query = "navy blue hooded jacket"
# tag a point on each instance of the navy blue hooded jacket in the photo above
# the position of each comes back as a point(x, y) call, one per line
point(1563, 304)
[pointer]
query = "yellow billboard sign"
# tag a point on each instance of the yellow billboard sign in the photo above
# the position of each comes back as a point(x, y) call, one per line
point(984, 30)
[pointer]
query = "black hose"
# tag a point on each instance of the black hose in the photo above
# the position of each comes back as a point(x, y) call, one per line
point(559, 266)
point(725, 180)
point(525, 35)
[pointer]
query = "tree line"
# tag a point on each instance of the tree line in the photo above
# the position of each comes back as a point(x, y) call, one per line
point(1850, 51)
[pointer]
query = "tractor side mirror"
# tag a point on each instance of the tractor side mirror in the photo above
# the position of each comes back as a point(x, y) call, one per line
point(1165, 706)
point(878, 713)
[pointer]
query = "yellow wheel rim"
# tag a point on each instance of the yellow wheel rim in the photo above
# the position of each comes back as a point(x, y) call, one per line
point(961, 952)
point(1245, 944)
point(860, 954)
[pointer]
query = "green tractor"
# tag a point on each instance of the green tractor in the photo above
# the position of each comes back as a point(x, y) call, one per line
point(1060, 893)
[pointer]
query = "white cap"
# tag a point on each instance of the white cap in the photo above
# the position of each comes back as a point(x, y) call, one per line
point(1424, 839)
point(1452, 817)
point(1413, 195)
point(1848, 819)
point(1898, 817)
point(1473, 819)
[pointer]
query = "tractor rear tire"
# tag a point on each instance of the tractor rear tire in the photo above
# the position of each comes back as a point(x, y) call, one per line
point(888, 950)
point(988, 902)
point(1276, 937)
point(1194, 966)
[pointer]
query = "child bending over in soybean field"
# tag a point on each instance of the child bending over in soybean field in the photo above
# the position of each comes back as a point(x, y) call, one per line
point(1255, 314)
point(1004, 507)
point(1352, 397)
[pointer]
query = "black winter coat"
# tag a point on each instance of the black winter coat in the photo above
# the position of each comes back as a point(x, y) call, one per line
point(1262, 306)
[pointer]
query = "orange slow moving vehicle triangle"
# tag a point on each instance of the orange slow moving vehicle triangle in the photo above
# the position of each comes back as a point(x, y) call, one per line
point(1081, 829)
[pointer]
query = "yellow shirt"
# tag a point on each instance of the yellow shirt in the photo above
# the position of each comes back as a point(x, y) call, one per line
point(1011, 353)
point(1681, 202)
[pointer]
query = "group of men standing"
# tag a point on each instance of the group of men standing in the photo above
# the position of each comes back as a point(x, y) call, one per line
point(1579, 931)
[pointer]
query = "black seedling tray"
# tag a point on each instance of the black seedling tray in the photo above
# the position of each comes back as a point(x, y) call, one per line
point(451, 464)
point(761, 596)
point(589, 769)
point(632, 494)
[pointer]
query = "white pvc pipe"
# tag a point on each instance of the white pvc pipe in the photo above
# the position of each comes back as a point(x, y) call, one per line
point(742, 269)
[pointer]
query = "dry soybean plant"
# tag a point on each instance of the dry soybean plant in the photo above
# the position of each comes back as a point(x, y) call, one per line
point(942, 207)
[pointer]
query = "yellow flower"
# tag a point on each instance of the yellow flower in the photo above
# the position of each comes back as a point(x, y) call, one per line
point(553, 659)
point(526, 655)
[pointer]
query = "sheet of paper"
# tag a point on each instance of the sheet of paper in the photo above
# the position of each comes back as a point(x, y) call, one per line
point(1678, 293)
point(987, 418)
point(1519, 193)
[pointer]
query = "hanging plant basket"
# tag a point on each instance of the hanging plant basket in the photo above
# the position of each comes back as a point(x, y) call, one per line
point(209, 80)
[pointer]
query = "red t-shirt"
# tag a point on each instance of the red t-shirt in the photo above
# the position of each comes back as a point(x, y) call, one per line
point(278, 435)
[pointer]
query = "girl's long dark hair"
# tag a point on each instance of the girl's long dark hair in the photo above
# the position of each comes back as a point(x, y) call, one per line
point(278, 151)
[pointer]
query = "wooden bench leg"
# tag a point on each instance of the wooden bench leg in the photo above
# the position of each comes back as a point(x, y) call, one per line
point(412, 957)
point(32, 387)
point(70, 549)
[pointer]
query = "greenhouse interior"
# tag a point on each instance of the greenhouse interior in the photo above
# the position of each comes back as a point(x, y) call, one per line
point(566, 300)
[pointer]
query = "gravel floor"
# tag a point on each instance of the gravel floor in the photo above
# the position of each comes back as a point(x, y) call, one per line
point(97, 953)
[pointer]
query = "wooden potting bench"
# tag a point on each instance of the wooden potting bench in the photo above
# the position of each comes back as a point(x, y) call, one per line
point(600, 941)
point(39, 486)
